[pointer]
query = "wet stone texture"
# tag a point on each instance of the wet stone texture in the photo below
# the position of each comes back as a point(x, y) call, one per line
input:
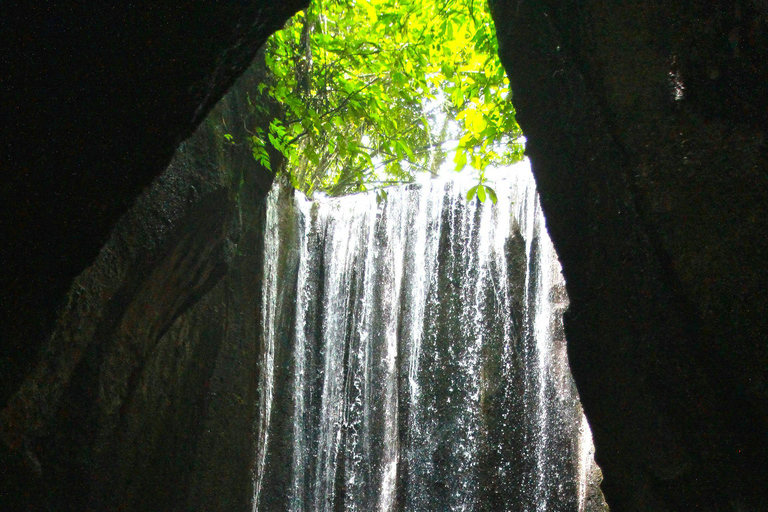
point(95, 100)
point(144, 396)
point(645, 124)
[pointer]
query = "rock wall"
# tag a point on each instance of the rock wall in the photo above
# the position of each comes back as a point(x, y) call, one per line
point(95, 99)
point(144, 397)
point(645, 126)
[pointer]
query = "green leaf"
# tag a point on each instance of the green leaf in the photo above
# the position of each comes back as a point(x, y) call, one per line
point(367, 158)
point(491, 194)
point(274, 141)
point(447, 70)
point(362, 80)
point(472, 192)
point(481, 193)
point(457, 97)
point(460, 159)
point(408, 151)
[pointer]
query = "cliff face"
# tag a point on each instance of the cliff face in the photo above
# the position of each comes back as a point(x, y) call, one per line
point(144, 397)
point(95, 99)
point(645, 125)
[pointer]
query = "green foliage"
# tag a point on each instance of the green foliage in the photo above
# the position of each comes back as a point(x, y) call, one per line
point(363, 83)
point(482, 191)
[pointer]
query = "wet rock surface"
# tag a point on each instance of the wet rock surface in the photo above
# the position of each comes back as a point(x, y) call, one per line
point(645, 126)
point(95, 99)
point(142, 378)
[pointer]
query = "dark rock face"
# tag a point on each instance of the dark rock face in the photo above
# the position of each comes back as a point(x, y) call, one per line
point(645, 124)
point(94, 100)
point(143, 398)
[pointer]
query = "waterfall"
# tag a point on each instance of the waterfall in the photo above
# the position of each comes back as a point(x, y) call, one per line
point(413, 356)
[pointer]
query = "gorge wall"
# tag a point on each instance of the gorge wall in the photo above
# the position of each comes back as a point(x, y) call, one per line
point(94, 101)
point(145, 395)
point(645, 126)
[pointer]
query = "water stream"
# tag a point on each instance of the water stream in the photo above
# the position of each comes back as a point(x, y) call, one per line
point(413, 356)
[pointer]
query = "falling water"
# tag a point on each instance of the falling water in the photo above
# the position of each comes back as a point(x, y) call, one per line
point(413, 356)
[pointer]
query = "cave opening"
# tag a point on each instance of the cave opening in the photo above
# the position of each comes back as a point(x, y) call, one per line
point(360, 95)
point(354, 413)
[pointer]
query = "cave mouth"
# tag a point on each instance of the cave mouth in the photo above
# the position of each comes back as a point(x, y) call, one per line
point(656, 205)
point(336, 429)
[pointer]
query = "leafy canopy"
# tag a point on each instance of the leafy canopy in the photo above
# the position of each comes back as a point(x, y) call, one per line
point(376, 90)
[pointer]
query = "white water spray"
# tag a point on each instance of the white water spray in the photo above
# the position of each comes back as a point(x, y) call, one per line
point(423, 370)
